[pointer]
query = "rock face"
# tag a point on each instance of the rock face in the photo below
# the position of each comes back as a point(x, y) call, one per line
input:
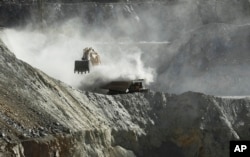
point(41, 116)
point(212, 59)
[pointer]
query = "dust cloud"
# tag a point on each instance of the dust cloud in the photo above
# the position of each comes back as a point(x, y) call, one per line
point(54, 50)
point(176, 46)
point(131, 39)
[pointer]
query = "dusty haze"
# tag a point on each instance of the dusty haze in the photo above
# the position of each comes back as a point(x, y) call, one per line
point(176, 46)
point(54, 51)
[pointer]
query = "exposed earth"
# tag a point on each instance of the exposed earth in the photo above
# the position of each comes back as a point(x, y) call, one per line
point(41, 116)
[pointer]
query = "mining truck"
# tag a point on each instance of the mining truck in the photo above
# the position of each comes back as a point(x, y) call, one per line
point(125, 86)
point(90, 58)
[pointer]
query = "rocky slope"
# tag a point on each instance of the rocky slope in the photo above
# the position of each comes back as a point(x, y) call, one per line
point(41, 116)
point(212, 59)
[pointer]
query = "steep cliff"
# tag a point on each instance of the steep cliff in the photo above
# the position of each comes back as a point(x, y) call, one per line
point(41, 116)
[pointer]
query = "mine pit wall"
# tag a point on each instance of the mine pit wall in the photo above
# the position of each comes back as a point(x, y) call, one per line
point(21, 12)
point(50, 13)
point(89, 143)
point(78, 144)
point(187, 125)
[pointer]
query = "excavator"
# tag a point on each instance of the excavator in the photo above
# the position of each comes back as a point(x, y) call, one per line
point(90, 58)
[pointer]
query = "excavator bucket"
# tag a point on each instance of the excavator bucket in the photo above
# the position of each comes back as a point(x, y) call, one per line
point(81, 66)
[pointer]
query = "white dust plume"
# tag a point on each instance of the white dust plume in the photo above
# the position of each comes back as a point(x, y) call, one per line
point(54, 50)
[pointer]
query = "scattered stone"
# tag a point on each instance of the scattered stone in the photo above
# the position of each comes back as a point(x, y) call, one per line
point(43, 134)
point(2, 134)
